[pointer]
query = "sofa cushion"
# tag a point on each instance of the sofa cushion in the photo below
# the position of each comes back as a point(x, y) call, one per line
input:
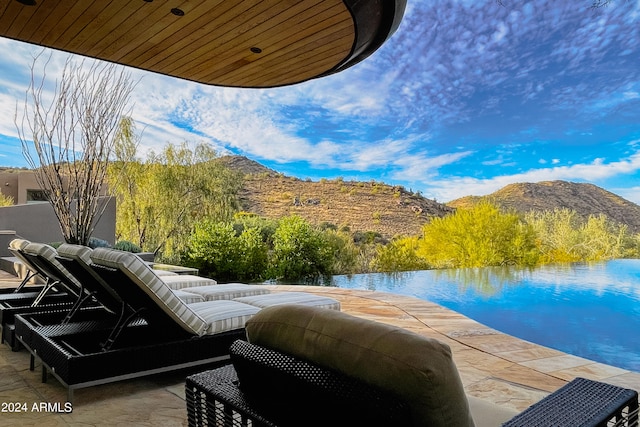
point(292, 392)
point(488, 414)
point(419, 370)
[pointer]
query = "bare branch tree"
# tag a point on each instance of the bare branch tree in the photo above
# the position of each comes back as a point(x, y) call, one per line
point(68, 139)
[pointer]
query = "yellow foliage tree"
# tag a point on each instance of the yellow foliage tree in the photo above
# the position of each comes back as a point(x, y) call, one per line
point(477, 237)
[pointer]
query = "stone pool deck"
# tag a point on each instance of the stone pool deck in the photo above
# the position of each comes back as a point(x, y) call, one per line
point(496, 367)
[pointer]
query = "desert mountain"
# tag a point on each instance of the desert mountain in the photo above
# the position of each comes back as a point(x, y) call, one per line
point(360, 206)
point(584, 199)
point(393, 210)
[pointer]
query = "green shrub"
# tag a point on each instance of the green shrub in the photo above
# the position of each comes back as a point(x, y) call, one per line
point(219, 252)
point(563, 236)
point(367, 237)
point(299, 251)
point(399, 255)
point(127, 246)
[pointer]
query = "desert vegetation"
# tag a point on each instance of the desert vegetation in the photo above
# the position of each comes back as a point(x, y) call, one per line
point(483, 235)
point(67, 139)
point(185, 205)
point(162, 197)
point(256, 248)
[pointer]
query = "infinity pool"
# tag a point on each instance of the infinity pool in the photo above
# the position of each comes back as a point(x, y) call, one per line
point(589, 310)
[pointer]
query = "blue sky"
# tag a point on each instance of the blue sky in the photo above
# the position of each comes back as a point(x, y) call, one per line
point(464, 99)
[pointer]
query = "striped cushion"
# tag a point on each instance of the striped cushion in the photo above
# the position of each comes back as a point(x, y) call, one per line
point(82, 255)
point(228, 291)
point(140, 274)
point(48, 253)
point(180, 281)
point(18, 244)
point(188, 297)
point(223, 315)
point(161, 273)
point(300, 298)
point(77, 252)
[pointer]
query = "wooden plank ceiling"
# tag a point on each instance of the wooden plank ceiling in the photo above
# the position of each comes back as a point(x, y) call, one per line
point(241, 43)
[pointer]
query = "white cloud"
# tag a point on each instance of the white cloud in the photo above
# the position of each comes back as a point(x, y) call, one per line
point(423, 166)
point(455, 187)
point(451, 63)
point(630, 193)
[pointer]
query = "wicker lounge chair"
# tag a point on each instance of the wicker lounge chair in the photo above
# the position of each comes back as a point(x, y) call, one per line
point(303, 366)
point(106, 310)
point(62, 293)
point(71, 264)
point(75, 259)
point(15, 247)
point(175, 334)
point(24, 290)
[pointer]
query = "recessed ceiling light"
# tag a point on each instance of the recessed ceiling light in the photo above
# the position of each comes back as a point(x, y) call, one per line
point(256, 50)
point(177, 12)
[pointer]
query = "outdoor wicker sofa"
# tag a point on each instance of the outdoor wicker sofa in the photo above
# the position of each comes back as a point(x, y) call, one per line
point(174, 334)
point(313, 367)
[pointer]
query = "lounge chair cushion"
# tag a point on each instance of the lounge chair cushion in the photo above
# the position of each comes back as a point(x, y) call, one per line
point(77, 252)
point(228, 291)
point(223, 316)
point(161, 273)
point(49, 254)
point(418, 369)
point(302, 298)
point(179, 281)
point(173, 280)
point(188, 297)
point(18, 244)
point(200, 318)
point(140, 273)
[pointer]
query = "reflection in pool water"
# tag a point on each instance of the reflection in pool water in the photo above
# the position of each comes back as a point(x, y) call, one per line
point(590, 310)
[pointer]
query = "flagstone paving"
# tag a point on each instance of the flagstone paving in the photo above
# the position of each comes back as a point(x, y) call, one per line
point(493, 366)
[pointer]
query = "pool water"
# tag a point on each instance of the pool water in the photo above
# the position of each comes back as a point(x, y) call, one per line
point(590, 310)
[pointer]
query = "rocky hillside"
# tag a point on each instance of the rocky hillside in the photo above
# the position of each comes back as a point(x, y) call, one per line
point(392, 211)
point(360, 206)
point(585, 199)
